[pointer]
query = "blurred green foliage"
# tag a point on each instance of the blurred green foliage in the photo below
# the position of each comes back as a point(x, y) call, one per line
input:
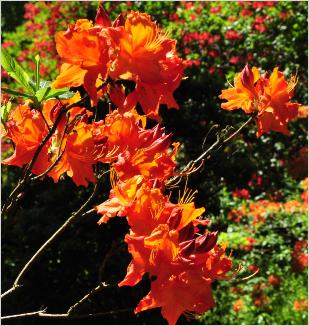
point(271, 35)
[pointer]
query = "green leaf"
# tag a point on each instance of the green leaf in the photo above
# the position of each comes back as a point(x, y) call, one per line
point(16, 71)
point(66, 95)
point(41, 94)
point(57, 92)
point(45, 83)
point(37, 72)
point(46, 93)
point(5, 110)
point(16, 93)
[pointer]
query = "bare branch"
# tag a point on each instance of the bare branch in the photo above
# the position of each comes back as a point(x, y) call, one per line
point(100, 287)
point(12, 200)
point(13, 288)
point(189, 168)
point(68, 222)
point(43, 314)
point(59, 154)
point(27, 314)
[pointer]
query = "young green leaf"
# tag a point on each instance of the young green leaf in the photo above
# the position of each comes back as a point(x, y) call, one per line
point(37, 72)
point(46, 93)
point(44, 83)
point(16, 71)
point(5, 110)
point(16, 93)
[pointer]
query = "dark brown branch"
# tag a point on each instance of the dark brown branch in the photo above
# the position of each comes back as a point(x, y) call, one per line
point(11, 202)
point(9, 291)
point(59, 154)
point(100, 287)
point(43, 314)
point(43, 117)
point(68, 222)
point(221, 142)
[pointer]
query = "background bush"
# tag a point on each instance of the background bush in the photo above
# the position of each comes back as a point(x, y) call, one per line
point(216, 39)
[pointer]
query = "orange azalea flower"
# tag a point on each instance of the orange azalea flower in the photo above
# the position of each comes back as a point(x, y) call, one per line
point(136, 150)
point(148, 57)
point(178, 294)
point(157, 166)
point(81, 151)
point(186, 288)
point(79, 147)
point(267, 97)
point(85, 55)
point(27, 129)
point(121, 197)
point(124, 131)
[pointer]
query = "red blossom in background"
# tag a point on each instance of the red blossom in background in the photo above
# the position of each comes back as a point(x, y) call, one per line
point(242, 193)
point(233, 35)
point(299, 257)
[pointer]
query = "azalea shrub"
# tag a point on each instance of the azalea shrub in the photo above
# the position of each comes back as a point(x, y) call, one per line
point(144, 113)
point(270, 235)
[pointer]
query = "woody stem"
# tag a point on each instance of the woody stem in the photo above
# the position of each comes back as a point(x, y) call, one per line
point(12, 199)
point(68, 222)
point(219, 142)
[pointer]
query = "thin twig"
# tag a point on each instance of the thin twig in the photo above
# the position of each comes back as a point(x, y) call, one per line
point(42, 144)
point(68, 222)
point(41, 313)
point(42, 115)
point(12, 199)
point(59, 154)
point(10, 290)
point(214, 147)
point(101, 286)
point(224, 141)
point(27, 314)
point(239, 130)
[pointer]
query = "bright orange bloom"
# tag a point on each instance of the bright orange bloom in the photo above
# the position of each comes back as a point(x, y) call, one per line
point(27, 129)
point(121, 197)
point(300, 305)
point(178, 294)
point(186, 287)
point(81, 151)
point(267, 97)
point(74, 139)
point(148, 57)
point(85, 55)
point(150, 164)
point(166, 248)
point(238, 305)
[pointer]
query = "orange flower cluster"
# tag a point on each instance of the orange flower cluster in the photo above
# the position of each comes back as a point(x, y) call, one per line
point(266, 97)
point(73, 148)
point(238, 305)
point(300, 305)
point(163, 239)
point(261, 209)
point(134, 49)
